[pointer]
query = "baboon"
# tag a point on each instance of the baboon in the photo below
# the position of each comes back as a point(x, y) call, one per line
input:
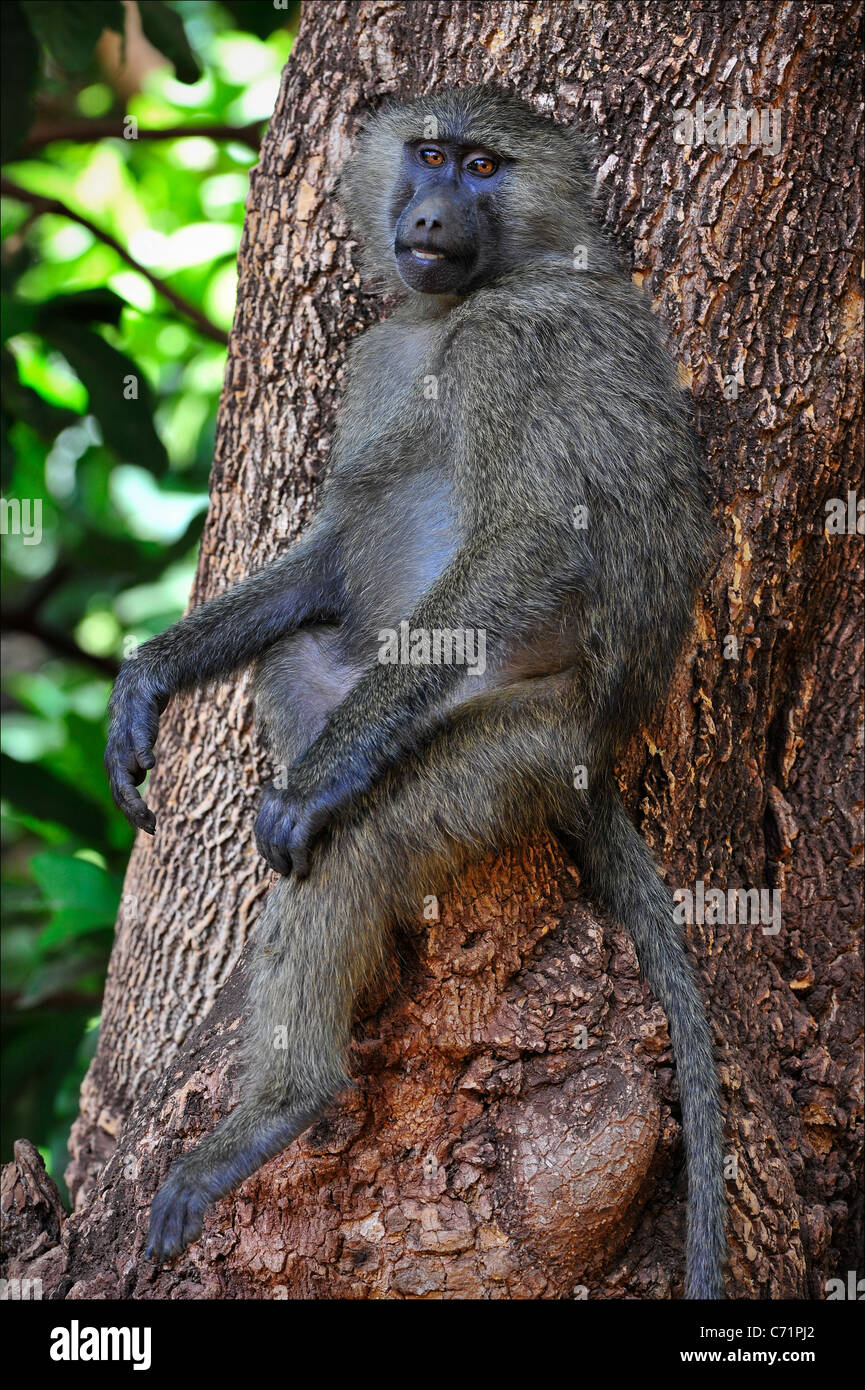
point(513, 464)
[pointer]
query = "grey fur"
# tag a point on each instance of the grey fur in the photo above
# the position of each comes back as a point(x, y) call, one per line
point(456, 512)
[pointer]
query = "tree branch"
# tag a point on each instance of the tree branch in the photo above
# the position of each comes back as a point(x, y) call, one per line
point(53, 205)
point(109, 127)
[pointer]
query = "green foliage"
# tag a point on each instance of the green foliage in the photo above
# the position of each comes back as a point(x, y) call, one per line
point(165, 31)
point(110, 390)
point(70, 32)
point(19, 73)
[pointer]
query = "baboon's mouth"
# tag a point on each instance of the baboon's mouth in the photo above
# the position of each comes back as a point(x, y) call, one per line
point(423, 266)
point(424, 255)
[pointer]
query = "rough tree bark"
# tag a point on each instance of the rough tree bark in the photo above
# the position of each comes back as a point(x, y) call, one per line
point(481, 1153)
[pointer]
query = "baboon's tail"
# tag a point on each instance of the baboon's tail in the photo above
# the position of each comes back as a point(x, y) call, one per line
point(620, 872)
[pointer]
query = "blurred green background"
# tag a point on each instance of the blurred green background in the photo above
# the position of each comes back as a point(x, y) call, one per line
point(110, 389)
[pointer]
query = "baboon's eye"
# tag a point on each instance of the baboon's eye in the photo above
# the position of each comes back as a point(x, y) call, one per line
point(432, 156)
point(482, 165)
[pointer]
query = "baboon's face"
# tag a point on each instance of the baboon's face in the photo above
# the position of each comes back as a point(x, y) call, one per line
point(446, 211)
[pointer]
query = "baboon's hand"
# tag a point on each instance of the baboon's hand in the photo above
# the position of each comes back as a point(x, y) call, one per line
point(136, 704)
point(176, 1214)
point(287, 825)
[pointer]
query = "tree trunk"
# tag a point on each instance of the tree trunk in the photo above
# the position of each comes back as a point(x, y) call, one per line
point(481, 1153)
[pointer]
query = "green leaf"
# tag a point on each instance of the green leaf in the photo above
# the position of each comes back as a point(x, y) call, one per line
point(127, 425)
point(81, 762)
point(19, 73)
point(164, 28)
point(16, 316)
point(82, 897)
point(70, 30)
point(37, 791)
point(21, 402)
point(69, 922)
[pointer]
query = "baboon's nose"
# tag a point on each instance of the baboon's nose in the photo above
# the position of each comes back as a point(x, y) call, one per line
point(430, 215)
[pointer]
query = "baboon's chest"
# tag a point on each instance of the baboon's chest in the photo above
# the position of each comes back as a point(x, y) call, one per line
point(396, 546)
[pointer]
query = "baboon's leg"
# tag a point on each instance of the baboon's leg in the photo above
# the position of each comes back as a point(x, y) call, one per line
point(488, 778)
